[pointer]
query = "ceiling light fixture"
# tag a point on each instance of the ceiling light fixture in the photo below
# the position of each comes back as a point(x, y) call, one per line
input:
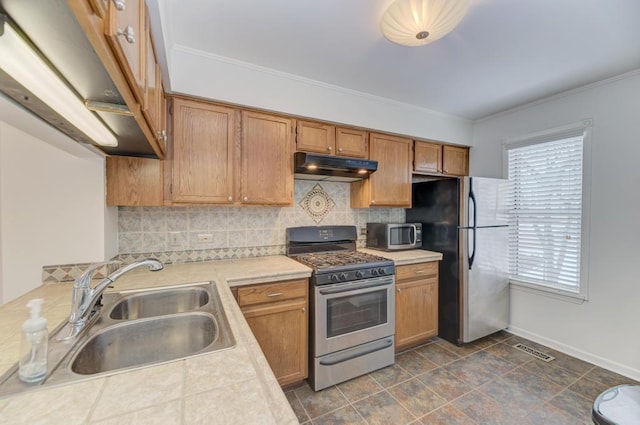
point(23, 64)
point(419, 22)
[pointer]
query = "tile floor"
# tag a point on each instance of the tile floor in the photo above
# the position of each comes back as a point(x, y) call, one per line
point(486, 382)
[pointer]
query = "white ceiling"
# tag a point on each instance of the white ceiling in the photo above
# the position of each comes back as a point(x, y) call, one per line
point(504, 52)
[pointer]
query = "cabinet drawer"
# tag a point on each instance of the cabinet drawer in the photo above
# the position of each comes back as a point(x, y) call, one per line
point(413, 271)
point(272, 292)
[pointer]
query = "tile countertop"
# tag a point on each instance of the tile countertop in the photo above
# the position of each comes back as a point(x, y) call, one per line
point(234, 386)
point(401, 258)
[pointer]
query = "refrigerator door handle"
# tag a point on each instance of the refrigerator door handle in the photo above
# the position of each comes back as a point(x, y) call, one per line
point(473, 253)
point(472, 200)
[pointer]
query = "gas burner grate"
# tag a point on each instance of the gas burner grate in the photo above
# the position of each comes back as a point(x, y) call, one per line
point(535, 353)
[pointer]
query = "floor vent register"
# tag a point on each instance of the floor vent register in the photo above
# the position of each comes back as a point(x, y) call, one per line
point(535, 353)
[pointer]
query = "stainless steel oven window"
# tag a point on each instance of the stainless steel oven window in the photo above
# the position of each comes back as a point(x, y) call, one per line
point(352, 313)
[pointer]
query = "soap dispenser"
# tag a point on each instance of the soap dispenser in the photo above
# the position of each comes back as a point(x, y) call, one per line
point(33, 350)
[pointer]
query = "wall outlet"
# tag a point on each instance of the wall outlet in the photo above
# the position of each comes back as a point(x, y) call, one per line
point(363, 231)
point(175, 239)
point(205, 237)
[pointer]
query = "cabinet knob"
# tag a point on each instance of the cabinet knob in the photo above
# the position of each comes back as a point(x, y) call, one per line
point(230, 198)
point(162, 135)
point(304, 309)
point(245, 199)
point(339, 149)
point(397, 289)
point(129, 34)
point(119, 4)
point(373, 201)
point(329, 148)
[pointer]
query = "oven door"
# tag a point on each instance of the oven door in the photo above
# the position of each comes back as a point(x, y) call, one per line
point(353, 313)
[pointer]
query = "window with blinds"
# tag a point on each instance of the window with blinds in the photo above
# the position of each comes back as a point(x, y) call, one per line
point(545, 211)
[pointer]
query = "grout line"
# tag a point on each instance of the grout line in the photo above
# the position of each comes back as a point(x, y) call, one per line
point(97, 400)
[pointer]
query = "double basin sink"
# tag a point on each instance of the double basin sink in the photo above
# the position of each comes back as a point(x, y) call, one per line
point(138, 328)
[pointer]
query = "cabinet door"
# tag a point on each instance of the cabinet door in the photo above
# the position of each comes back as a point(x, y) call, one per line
point(416, 311)
point(267, 159)
point(427, 157)
point(134, 181)
point(351, 142)
point(203, 152)
point(151, 106)
point(125, 30)
point(455, 161)
point(390, 185)
point(315, 137)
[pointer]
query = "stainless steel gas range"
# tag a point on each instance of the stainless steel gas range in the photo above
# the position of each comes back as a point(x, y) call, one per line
point(352, 304)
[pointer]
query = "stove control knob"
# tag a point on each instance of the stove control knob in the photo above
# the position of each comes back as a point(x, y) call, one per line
point(334, 277)
point(359, 273)
point(343, 276)
point(381, 271)
point(374, 272)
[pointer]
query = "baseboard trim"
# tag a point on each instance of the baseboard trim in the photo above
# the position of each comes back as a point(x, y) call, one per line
point(621, 369)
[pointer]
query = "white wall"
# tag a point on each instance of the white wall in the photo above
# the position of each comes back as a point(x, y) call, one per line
point(205, 75)
point(52, 208)
point(603, 330)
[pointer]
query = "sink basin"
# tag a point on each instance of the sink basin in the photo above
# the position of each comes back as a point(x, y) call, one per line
point(134, 329)
point(160, 303)
point(147, 341)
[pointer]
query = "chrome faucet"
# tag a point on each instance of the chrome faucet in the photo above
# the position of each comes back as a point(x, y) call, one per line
point(84, 297)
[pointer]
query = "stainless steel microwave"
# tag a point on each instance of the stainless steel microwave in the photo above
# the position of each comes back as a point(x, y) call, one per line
point(394, 236)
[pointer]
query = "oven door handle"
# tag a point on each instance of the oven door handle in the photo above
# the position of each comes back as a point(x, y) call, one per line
point(349, 288)
point(353, 353)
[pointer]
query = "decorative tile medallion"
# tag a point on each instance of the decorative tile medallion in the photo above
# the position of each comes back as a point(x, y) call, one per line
point(317, 203)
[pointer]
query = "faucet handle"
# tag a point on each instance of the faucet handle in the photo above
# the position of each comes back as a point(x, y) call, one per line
point(84, 280)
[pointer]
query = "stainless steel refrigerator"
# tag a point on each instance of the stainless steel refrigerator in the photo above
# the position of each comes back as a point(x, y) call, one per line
point(466, 220)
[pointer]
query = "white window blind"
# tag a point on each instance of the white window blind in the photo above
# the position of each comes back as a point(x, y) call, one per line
point(545, 212)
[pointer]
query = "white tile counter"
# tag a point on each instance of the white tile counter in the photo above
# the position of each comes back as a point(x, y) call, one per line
point(234, 386)
point(401, 258)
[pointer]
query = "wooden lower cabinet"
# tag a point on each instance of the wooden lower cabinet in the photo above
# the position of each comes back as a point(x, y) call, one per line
point(416, 304)
point(278, 316)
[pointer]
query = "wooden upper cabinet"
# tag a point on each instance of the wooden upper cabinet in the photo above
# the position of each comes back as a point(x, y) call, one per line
point(315, 137)
point(153, 100)
point(455, 161)
point(135, 182)
point(203, 155)
point(351, 142)
point(390, 185)
point(125, 30)
point(427, 157)
point(330, 140)
point(437, 158)
point(267, 159)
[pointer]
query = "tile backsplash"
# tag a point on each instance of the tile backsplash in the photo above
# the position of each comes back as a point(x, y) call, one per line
point(162, 229)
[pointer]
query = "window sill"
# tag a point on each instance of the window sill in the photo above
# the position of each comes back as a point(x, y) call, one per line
point(557, 294)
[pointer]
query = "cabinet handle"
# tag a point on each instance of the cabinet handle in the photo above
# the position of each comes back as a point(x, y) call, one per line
point(419, 271)
point(275, 294)
point(129, 34)
point(162, 135)
point(245, 199)
point(119, 4)
point(329, 148)
point(230, 198)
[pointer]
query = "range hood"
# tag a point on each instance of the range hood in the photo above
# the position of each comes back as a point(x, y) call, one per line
point(52, 29)
point(308, 166)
